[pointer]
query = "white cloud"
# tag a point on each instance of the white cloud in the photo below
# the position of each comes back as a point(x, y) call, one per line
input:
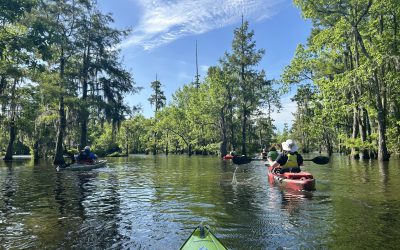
point(163, 21)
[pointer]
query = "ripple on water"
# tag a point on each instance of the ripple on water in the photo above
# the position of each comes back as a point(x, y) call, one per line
point(155, 203)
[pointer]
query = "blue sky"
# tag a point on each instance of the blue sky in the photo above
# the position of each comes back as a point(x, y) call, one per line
point(164, 34)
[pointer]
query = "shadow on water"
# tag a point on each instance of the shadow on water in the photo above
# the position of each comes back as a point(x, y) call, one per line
point(8, 190)
point(89, 203)
point(292, 200)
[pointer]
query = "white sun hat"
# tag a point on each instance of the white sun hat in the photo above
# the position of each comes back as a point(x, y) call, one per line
point(289, 145)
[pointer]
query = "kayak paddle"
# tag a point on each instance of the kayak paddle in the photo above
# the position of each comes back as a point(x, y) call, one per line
point(240, 160)
point(320, 160)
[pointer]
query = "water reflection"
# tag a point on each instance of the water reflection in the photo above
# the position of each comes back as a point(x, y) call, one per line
point(154, 202)
point(292, 200)
point(8, 190)
point(384, 171)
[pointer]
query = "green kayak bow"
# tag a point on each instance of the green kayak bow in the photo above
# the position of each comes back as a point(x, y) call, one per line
point(202, 238)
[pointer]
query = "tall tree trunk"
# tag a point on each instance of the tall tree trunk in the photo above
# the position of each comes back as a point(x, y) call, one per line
point(11, 140)
point(230, 121)
point(363, 133)
point(224, 139)
point(83, 140)
point(244, 124)
point(10, 147)
point(189, 149)
point(3, 84)
point(380, 100)
point(329, 147)
point(36, 149)
point(59, 158)
point(84, 111)
point(166, 145)
point(126, 142)
point(369, 132)
point(113, 131)
point(355, 152)
point(354, 132)
point(155, 143)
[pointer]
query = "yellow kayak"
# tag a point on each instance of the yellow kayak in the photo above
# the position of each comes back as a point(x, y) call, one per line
point(202, 238)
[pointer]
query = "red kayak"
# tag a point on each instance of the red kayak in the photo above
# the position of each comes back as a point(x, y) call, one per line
point(296, 181)
point(227, 157)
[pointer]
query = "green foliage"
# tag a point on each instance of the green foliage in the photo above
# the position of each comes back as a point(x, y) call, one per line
point(158, 98)
point(65, 51)
point(346, 61)
point(103, 141)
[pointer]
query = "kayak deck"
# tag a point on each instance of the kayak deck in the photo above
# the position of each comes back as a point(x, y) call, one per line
point(202, 238)
point(227, 157)
point(296, 181)
point(78, 166)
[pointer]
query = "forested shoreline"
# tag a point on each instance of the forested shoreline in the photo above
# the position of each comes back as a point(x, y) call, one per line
point(349, 69)
point(62, 86)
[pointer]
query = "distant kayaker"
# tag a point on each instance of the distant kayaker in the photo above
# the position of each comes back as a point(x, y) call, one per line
point(86, 156)
point(264, 153)
point(272, 153)
point(289, 160)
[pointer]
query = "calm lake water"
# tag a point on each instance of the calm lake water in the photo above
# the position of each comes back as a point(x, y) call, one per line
point(147, 202)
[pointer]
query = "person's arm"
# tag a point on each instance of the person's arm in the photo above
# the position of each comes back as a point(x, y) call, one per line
point(93, 156)
point(269, 159)
point(300, 160)
point(277, 163)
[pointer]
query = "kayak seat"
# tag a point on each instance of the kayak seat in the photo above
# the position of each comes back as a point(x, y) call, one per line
point(296, 176)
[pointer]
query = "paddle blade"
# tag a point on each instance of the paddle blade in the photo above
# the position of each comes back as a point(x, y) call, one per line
point(320, 160)
point(240, 160)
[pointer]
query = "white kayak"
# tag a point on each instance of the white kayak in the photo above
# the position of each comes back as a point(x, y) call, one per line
point(88, 166)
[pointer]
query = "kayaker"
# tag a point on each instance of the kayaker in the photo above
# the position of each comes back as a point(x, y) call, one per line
point(264, 153)
point(272, 153)
point(289, 160)
point(86, 156)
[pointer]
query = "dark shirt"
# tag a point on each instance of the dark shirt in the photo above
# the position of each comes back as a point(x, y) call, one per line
point(282, 159)
point(86, 156)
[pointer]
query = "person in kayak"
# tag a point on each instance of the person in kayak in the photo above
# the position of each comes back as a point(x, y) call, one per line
point(86, 156)
point(272, 153)
point(264, 153)
point(289, 160)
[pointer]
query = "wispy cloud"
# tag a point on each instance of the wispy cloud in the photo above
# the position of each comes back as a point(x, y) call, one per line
point(163, 21)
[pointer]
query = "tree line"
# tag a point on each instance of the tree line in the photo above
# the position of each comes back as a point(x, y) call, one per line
point(62, 86)
point(348, 71)
point(61, 79)
point(230, 109)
